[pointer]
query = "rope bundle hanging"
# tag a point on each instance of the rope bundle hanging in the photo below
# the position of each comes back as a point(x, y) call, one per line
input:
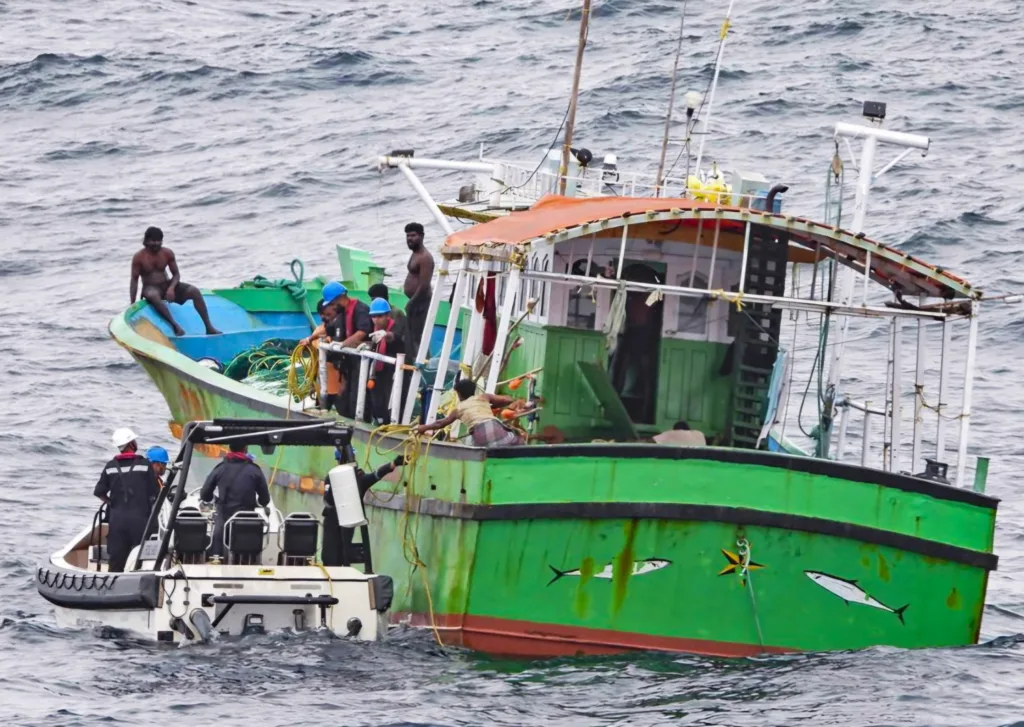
point(415, 449)
point(296, 288)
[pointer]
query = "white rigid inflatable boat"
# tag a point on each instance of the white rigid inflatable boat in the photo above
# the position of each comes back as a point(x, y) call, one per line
point(172, 590)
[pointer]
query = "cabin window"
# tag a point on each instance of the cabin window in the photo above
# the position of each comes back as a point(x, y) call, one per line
point(582, 311)
point(693, 312)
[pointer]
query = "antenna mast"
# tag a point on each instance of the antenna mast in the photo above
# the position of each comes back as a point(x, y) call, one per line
point(571, 119)
point(671, 102)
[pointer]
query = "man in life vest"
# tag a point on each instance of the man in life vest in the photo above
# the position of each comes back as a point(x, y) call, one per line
point(159, 459)
point(129, 487)
point(240, 485)
point(351, 326)
point(337, 542)
point(388, 339)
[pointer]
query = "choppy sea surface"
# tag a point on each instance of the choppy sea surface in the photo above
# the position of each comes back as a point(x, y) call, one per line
point(247, 131)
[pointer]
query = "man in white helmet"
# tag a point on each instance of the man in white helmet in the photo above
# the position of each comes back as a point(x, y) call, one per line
point(129, 487)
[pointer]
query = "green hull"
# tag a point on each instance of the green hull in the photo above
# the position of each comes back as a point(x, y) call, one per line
point(595, 548)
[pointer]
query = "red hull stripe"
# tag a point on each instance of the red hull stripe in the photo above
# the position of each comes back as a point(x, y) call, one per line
point(509, 637)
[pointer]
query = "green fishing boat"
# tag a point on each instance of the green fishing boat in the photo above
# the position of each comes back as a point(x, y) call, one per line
point(620, 309)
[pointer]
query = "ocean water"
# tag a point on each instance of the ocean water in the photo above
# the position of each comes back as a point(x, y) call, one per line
point(248, 130)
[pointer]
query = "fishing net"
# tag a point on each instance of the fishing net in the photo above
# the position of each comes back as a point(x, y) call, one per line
point(265, 367)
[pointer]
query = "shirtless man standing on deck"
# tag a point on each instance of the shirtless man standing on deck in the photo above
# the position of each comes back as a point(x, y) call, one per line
point(151, 263)
point(417, 284)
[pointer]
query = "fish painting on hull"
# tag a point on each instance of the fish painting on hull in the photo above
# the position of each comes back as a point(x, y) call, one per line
point(640, 567)
point(850, 592)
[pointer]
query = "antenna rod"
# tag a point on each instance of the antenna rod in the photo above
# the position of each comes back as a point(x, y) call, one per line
point(714, 83)
point(671, 102)
point(571, 119)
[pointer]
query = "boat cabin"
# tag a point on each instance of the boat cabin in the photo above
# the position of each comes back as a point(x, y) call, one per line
point(628, 315)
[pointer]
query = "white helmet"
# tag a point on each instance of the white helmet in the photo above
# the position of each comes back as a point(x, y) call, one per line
point(123, 436)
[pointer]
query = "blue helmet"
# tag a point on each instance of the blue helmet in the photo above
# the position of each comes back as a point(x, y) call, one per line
point(333, 290)
point(379, 307)
point(158, 454)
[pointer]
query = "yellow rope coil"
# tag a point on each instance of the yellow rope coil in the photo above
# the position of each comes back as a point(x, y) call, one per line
point(307, 356)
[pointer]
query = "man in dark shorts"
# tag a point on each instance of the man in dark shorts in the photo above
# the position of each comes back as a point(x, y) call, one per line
point(417, 285)
point(151, 264)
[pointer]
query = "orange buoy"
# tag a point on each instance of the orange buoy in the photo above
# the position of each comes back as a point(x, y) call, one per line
point(516, 383)
point(370, 384)
point(508, 414)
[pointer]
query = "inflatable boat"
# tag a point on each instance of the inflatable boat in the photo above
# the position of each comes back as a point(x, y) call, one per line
point(266, 577)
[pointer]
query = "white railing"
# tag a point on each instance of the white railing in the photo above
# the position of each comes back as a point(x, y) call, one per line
point(365, 357)
point(844, 406)
point(525, 183)
point(507, 184)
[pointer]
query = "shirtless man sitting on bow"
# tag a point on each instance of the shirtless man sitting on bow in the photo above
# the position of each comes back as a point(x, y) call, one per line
point(151, 264)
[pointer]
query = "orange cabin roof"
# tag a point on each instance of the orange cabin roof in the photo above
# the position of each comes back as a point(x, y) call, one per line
point(554, 214)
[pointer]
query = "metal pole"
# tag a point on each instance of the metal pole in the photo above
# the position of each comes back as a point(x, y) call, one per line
point(867, 278)
point(472, 342)
point(965, 409)
point(780, 302)
point(179, 496)
point(940, 427)
point(671, 103)
point(897, 403)
point(746, 250)
point(714, 253)
point(425, 196)
point(446, 346)
point(844, 417)
point(570, 120)
point(918, 391)
point(511, 289)
point(396, 388)
point(887, 407)
point(424, 348)
point(322, 365)
point(864, 436)
point(724, 33)
point(696, 251)
point(845, 288)
point(872, 135)
point(622, 251)
point(364, 374)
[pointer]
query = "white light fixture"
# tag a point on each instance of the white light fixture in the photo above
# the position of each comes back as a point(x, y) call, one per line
point(692, 100)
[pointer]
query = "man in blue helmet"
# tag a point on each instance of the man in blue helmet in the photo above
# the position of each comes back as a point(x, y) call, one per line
point(159, 459)
point(336, 548)
point(388, 339)
point(351, 326)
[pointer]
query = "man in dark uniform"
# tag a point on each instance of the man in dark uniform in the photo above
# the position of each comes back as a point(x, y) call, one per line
point(240, 485)
point(338, 540)
point(129, 487)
